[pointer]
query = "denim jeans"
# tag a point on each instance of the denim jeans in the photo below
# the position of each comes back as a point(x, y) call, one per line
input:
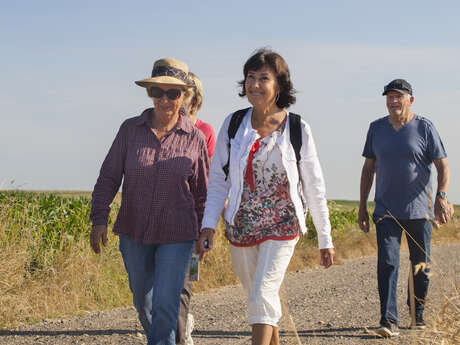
point(388, 242)
point(185, 297)
point(156, 275)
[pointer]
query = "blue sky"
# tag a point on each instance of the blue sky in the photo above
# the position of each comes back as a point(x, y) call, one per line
point(69, 67)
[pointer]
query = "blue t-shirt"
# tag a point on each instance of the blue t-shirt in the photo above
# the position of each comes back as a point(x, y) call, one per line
point(403, 166)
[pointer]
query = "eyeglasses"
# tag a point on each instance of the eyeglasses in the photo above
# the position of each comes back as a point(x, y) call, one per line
point(156, 92)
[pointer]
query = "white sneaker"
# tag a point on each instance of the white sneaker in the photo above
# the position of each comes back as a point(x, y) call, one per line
point(388, 330)
point(189, 329)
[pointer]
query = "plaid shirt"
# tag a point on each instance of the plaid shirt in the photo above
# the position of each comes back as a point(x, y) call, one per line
point(164, 182)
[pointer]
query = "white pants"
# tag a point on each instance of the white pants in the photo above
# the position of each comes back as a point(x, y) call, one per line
point(261, 270)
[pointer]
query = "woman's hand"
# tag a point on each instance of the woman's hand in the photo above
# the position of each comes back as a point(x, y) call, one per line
point(98, 233)
point(327, 257)
point(205, 242)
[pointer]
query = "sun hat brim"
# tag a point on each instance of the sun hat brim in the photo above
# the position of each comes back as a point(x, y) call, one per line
point(165, 80)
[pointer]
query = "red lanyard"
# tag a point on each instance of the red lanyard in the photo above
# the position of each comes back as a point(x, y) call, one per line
point(249, 175)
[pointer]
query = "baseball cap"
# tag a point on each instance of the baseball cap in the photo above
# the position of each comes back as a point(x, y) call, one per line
point(399, 85)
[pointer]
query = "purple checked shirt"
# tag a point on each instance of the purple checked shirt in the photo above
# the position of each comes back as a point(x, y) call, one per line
point(164, 182)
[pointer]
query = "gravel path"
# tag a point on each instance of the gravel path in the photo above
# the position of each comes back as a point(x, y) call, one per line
point(333, 306)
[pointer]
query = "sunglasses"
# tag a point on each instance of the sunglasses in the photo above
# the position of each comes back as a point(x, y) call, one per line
point(156, 92)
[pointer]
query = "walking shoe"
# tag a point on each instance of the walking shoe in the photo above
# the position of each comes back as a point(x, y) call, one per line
point(189, 329)
point(419, 322)
point(387, 330)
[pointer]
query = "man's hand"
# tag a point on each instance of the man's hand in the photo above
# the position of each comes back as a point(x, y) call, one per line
point(205, 242)
point(98, 233)
point(442, 210)
point(363, 219)
point(327, 257)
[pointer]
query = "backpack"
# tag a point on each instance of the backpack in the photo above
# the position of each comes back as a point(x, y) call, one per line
point(295, 134)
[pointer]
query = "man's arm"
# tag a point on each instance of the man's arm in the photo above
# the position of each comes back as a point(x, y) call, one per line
point(367, 178)
point(442, 210)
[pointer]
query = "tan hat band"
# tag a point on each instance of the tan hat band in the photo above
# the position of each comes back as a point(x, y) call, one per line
point(169, 71)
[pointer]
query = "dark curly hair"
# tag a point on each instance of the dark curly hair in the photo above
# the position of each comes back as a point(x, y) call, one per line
point(267, 57)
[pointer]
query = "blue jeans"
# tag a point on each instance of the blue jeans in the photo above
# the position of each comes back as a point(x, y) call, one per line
point(388, 242)
point(156, 275)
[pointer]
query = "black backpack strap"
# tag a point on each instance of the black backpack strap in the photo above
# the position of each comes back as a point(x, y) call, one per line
point(235, 123)
point(295, 134)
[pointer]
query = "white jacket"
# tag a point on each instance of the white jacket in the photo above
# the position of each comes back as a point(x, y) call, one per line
point(311, 176)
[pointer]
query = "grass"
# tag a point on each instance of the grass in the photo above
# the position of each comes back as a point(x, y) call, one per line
point(44, 251)
point(445, 329)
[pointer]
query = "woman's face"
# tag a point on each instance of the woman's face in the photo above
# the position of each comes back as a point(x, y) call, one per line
point(261, 87)
point(164, 105)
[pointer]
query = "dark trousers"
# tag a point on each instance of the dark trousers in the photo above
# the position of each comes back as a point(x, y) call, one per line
point(389, 242)
point(185, 297)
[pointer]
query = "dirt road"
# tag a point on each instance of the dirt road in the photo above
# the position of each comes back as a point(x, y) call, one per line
point(333, 306)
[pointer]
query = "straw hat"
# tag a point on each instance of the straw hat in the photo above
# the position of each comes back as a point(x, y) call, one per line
point(167, 71)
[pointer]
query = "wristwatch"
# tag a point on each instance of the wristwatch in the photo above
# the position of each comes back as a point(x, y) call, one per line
point(442, 195)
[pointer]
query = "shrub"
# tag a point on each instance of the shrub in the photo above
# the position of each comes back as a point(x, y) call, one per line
point(340, 219)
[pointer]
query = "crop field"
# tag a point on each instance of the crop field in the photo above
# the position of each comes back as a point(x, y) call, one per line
point(48, 269)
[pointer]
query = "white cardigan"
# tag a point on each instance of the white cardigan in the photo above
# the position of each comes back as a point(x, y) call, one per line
point(311, 177)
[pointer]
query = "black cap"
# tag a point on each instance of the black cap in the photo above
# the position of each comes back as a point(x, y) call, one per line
point(399, 85)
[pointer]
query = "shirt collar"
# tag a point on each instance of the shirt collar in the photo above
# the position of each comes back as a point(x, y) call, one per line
point(144, 117)
point(183, 123)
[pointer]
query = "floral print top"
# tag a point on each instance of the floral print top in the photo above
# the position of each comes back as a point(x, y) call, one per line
point(267, 212)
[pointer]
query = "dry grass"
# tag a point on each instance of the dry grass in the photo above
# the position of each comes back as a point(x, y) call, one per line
point(76, 280)
point(445, 328)
point(65, 280)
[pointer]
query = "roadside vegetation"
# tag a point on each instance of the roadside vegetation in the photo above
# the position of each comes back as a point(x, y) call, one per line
point(48, 269)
